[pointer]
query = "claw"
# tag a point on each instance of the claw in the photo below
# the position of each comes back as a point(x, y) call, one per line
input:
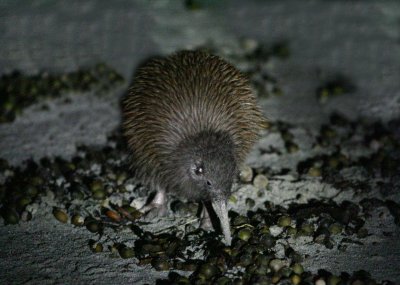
point(153, 210)
point(156, 208)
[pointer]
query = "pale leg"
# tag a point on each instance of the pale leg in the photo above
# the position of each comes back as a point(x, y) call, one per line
point(205, 220)
point(157, 207)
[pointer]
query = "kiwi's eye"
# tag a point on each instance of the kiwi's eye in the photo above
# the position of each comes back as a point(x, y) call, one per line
point(199, 170)
point(208, 183)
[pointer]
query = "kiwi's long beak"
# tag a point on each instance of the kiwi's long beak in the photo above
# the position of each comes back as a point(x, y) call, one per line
point(220, 209)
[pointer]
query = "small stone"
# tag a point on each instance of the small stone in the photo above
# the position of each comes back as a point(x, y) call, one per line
point(275, 230)
point(60, 215)
point(335, 229)
point(244, 234)
point(267, 241)
point(260, 181)
point(284, 221)
point(26, 216)
point(113, 215)
point(276, 264)
point(291, 231)
point(93, 226)
point(233, 199)
point(77, 220)
point(275, 278)
point(246, 174)
point(295, 279)
point(96, 247)
point(208, 270)
point(333, 280)
point(306, 229)
point(265, 230)
point(113, 250)
point(126, 252)
point(249, 45)
point(96, 185)
point(99, 194)
point(320, 282)
point(297, 268)
point(314, 171)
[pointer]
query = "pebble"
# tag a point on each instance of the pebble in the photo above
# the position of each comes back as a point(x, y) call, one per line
point(113, 215)
point(276, 264)
point(60, 215)
point(126, 252)
point(320, 282)
point(297, 268)
point(96, 247)
point(26, 216)
point(307, 229)
point(291, 230)
point(244, 234)
point(333, 280)
point(275, 230)
point(77, 220)
point(246, 174)
point(295, 279)
point(314, 172)
point(260, 181)
point(284, 221)
point(335, 229)
point(275, 278)
point(249, 45)
point(32, 208)
point(208, 270)
point(93, 226)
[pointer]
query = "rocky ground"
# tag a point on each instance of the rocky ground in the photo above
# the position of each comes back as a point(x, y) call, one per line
point(318, 201)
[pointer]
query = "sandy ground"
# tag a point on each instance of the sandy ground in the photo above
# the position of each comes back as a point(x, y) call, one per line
point(358, 39)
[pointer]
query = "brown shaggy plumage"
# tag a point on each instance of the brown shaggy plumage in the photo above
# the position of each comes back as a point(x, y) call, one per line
point(181, 96)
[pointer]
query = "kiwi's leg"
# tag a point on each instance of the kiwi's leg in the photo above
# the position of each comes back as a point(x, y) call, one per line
point(157, 207)
point(205, 220)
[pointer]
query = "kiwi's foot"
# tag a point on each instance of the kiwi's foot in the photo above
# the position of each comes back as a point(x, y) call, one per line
point(156, 208)
point(153, 211)
point(205, 220)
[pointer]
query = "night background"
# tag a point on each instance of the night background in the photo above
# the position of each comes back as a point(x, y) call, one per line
point(317, 201)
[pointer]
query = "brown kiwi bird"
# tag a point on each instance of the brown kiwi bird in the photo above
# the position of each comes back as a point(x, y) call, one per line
point(190, 119)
